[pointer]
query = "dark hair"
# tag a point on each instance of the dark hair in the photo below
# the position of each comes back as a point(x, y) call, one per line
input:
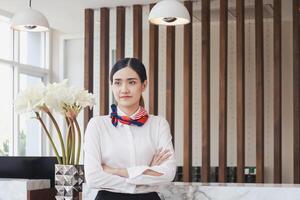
point(134, 64)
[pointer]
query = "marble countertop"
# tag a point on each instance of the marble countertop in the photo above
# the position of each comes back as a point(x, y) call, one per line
point(16, 189)
point(219, 191)
point(229, 191)
point(236, 184)
point(31, 184)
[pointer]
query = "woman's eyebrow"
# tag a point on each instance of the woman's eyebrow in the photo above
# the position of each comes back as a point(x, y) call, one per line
point(128, 79)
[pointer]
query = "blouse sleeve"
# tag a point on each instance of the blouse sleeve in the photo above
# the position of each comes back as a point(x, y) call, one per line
point(95, 176)
point(167, 168)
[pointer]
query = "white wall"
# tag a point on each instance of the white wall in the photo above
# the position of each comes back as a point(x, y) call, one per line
point(67, 63)
point(55, 50)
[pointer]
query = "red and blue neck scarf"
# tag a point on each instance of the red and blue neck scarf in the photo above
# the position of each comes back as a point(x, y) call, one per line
point(139, 119)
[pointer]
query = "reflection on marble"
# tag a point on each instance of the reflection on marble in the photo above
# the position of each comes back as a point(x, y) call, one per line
point(215, 191)
point(16, 189)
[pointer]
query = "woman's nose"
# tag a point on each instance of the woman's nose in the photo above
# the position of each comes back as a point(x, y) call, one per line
point(124, 88)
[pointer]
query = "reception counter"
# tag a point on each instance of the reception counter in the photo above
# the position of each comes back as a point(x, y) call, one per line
point(22, 189)
point(216, 191)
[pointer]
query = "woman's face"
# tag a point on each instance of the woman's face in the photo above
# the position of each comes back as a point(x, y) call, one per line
point(127, 87)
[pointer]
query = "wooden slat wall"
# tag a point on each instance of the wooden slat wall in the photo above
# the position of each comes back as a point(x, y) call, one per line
point(153, 68)
point(240, 49)
point(296, 90)
point(88, 58)
point(120, 40)
point(205, 82)
point(277, 92)
point(223, 91)
point(104, 61)
point(170, 78)
point(259, 56)
point(205, 92)
point(188, 95)
point(137, 31)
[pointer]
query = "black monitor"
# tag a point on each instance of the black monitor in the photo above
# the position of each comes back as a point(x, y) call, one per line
point(28, 167)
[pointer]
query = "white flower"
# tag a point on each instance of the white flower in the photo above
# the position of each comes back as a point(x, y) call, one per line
point(83, 98)
point(58, 95)
point(30, 99)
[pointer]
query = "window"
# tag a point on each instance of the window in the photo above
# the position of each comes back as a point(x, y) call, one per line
point(23, 63)
point(29, 133)
point(32, 48)
point(6, 116)
point(5, 39)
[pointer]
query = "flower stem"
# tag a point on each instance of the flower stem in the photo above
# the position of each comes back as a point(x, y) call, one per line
point(68, 142)
point(49, 137)
point(73, 142)
point(79, 141)
point(59, 136)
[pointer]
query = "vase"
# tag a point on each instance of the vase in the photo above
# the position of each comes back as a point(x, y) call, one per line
point(68, 181)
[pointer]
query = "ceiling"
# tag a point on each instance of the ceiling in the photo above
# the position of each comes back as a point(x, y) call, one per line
point(67, 16)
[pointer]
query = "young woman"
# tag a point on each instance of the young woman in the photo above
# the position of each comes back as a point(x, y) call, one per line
point(128, 152)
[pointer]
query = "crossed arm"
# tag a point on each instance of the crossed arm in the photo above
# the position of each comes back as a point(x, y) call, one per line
point(161, 169)
point(159, 157)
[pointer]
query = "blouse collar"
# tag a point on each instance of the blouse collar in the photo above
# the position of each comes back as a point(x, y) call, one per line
point(121, 113)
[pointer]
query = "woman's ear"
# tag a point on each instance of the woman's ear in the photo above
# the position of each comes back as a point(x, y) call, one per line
point(144, 85)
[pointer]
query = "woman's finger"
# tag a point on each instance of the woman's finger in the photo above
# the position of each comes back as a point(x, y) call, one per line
point(154, 158)
point(162, 154)
point(164, 158)
point(159, 156)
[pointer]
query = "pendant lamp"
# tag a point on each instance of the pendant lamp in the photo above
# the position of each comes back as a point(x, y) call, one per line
point(169, 13)
point(30, 20)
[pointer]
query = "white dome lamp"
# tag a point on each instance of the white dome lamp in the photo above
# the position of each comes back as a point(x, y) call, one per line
point(169, 13)
point(30, 20)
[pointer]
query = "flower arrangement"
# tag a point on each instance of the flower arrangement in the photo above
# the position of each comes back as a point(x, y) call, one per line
point(68, 101)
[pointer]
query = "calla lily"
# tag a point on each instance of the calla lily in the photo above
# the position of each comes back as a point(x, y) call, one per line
point(68, 101)
point(83, 98)
point(30, 99)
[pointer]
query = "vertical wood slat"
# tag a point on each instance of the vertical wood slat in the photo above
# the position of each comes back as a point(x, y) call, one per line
point(259, 56)
point(153, 68)
point(277, 93)
point(223, 91)
point(170, 78)
point(88, 57)
point(104, 61)
point(240, 7)
point(205, 92)
point(120, 40)
point(188, 96)
point(296, 90)
point(137, 31)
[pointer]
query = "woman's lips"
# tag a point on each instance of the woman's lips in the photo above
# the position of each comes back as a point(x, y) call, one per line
point(125, 97)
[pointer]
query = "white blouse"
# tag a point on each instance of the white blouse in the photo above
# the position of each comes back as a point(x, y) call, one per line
point(130, 147)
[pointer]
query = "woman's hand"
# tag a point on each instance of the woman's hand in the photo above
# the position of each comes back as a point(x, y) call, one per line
point(109, 169)
point(159, 157)
point(115, 171)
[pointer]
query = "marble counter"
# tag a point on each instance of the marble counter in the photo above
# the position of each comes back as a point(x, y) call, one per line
point(16, 189)
point(216, 191)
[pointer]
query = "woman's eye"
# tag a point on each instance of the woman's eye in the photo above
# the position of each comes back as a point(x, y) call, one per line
point(117, 83)
point(132, 82)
